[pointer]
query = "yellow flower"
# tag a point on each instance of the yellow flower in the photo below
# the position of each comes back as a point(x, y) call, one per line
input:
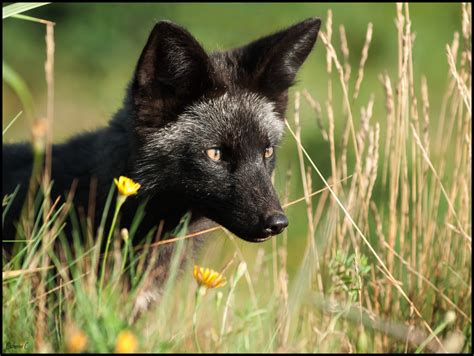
point(76, 341)
point(126, 186)
point(126, 342)
point(208, 277)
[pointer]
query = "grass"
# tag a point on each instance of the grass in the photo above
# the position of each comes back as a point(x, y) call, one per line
point(385, 273)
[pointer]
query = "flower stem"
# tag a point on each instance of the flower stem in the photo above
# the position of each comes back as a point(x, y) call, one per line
point(226, 308)
point(239, 273)
point(124, 261)
point(198, 296)
point(120, 201)
point(125, 254)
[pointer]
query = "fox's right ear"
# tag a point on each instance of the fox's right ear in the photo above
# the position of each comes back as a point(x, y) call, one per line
point(172, 68)
point(270, 63)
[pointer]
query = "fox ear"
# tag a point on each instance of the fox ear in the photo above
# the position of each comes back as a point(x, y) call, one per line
point(271, 62)
point(173, 67)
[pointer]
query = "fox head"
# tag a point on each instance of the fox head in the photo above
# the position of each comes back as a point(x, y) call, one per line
point(207, 125)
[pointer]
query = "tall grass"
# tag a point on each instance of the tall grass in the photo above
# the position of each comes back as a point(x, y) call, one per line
point(391, 273)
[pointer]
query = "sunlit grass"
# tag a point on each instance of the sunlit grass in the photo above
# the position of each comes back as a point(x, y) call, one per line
point(391, 274)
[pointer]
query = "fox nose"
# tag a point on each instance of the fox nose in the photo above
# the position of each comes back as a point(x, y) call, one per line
point(275, 223)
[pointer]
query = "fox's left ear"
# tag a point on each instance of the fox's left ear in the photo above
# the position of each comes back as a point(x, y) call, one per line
point(271, 62)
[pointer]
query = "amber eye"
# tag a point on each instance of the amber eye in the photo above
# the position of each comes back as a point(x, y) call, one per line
point(268, 152)
point(214, 154)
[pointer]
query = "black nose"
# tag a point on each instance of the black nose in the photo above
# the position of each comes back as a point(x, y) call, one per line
point(275, 223)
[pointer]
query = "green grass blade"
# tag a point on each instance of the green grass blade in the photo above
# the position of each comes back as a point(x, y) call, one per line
point(9, 203)
point(20, 88)
point(18, 8)
point(11, 122)
point(31, 18)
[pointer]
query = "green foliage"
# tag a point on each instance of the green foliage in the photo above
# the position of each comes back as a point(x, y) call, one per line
point(347, 272)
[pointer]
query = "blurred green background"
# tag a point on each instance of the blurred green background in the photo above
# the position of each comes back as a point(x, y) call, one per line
point(97, 46)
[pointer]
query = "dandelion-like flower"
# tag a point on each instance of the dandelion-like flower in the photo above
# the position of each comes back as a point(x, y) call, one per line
point(76, 341)
point(208, 278)
point(126, 186)
point(126, 342)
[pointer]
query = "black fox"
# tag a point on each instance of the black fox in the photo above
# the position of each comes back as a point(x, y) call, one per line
point(198, 131)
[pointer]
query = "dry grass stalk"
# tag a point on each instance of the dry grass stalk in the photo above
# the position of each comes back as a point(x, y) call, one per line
point(358, 193)
point(390, 107)
point(467, 21)
point(347, 75)
point(455, 108)
point(426, 117)
point(329, 101)
point(283, 315)
point(414, 222)
point(363, 59)
point(319, 208)
point(311, 246)
point(340, 70)
point(49, 69)
point(404, 117)
point(329, 37)
point(409, 42)
point(358, 187)
point(345, 53)
point(397, 159)
point(372, 166)
point(344, 144)
point(332, 52)
point(465, 93)
point(332, 149)
point(22, 272)
point(440, 135)
point(317, 109)
point(450, 204)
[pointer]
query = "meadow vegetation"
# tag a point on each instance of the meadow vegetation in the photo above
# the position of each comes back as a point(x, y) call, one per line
point(385, 260)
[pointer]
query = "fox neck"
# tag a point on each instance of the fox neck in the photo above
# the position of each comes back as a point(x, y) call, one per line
point(160, 204)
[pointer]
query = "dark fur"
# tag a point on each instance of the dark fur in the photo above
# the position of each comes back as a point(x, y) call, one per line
point(180, 102)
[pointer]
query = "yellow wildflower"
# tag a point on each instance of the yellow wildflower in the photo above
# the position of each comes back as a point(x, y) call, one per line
point(126, 342)
point(208, 277)
point(76, 341)
point(126, 186)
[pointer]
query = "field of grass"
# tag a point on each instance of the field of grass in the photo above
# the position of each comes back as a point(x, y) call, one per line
point(380, 259)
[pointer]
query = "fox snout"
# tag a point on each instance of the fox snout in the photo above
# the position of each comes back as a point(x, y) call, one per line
point(275, 223)
point(272, 223)
point(263, 200)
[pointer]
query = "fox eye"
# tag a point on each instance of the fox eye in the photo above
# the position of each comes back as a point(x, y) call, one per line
point(214, 154)
point(268, 152)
